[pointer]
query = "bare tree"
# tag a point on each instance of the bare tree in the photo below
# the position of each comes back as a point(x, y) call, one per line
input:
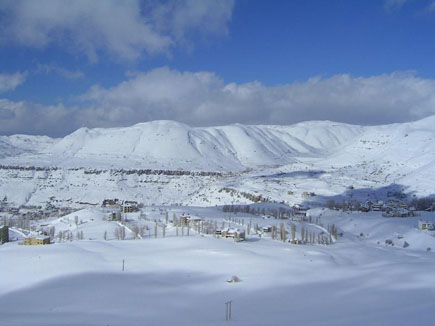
point(135, 231)
point(293, 230)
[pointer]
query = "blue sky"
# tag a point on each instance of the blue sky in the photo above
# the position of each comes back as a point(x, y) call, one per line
point(116, 63)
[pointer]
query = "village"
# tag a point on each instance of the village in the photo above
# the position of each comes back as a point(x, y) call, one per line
point(117, 219)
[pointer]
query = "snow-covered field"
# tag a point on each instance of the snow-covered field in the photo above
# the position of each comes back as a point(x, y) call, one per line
point(182, 280)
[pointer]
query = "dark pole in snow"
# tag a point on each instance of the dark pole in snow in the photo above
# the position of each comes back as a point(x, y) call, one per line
point(228, 310)
point(123, 265)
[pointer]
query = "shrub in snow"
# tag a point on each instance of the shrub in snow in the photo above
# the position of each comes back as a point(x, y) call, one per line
point(405, 244)
point(234, 279)
point(389, 242)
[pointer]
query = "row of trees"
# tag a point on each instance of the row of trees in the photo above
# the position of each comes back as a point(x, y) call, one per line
point(155, 172)
point(422, 204)
point(68, 235)
point(247, 195)
point(117, 171)
point(280, 212)
point(281, 233)
point(27, 168)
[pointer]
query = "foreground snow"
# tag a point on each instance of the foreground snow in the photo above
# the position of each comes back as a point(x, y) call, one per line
point(183, 281)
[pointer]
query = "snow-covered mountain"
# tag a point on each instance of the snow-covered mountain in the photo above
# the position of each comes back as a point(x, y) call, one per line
point(320, 156)
point(172, 145)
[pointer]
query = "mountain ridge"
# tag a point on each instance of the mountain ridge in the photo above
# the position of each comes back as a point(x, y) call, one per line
point(232, 147)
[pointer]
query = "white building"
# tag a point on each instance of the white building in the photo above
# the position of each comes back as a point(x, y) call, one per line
point(425, 225)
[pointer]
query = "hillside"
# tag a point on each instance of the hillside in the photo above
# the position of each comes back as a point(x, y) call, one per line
point(172, 145)
point(322, 157)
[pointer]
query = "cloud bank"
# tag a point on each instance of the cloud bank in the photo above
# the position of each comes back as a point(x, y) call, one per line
point(124, 29)
point(203, 99)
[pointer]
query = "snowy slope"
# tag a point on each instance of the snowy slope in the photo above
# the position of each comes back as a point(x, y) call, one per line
point(23, 144)
point(183, 281)
point(172, 145)
point(321, 157)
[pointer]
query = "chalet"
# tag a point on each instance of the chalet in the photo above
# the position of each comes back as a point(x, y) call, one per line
point(127, 207)
point(397, 212)
point(364, 208)
point(377, 207)
point(36, 241)
point(403, 205)
point(267, 229)
point(4, 234)
point(236, 234)
point(299, 207)
point(300, 210)
point(111, 202)
point(425, 225)
point(194, 220)
point(184, 219)
point(114, 216)
point(401, 212)
point(239, 235)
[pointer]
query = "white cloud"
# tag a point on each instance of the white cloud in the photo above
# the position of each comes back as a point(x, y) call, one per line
point(431, 7)
point(61, 71)
point(394, 4)
point(8, 82)
point(202, 98)
point(30, 118)
point(124, 29)
point(179, 18)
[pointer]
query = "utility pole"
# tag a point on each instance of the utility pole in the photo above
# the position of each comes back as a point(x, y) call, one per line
point(228, 310)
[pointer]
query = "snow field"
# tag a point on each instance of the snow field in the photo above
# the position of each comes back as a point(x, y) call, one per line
point(183, 280)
